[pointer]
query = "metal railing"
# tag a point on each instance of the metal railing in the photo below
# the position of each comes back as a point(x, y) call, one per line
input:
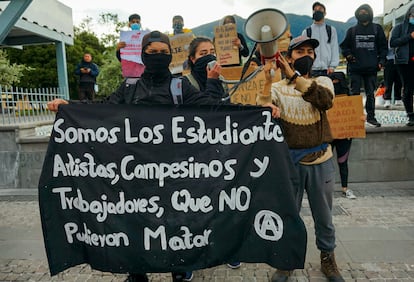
point(23, 105)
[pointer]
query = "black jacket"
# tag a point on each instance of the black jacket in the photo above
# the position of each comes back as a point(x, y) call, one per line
point(148, 92)
point(367, 44)
point(401, 40)
point(87, 77)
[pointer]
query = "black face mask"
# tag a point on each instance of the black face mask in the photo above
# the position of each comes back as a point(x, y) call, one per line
point(318, 15)
point(199, 68)
point(363, 18)
point(178, 28)
point(303, 65)
point(156, 64)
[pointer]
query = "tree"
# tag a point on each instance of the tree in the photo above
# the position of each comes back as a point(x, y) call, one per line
point(41, 59)
point(10, 73)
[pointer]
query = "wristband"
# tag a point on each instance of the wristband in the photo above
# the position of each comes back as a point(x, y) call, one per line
point(294, 76)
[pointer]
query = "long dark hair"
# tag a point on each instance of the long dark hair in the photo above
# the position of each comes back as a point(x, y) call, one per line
point(193, 48)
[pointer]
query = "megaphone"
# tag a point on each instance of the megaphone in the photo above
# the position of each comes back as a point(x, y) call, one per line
point(265, 27)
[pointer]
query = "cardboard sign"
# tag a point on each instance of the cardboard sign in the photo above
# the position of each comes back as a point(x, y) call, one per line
point(227, 53)
point(346, 117)
point(247, 91)
point(179, 47)
point(284, 40)
point(193, 188)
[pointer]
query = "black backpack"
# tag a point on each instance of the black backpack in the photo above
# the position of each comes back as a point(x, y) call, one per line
point(328, 31)
point(340, 83)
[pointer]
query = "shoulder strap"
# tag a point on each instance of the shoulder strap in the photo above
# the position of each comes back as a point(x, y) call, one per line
point(309, 32)
point(176, 88)
point(193, 81)
point(329, 32)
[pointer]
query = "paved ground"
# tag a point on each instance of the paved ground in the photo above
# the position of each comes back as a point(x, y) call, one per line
point(375, 241)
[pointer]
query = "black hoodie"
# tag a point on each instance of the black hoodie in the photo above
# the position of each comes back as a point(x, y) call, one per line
point(401, 39)
point(366, 43)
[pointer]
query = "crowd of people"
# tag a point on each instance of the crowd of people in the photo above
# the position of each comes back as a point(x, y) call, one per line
point(309, 86)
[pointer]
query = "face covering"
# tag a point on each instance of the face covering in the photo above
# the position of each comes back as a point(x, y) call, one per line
point(317, 16)
point(178, 28)
point(156, 64)
point(135, 26)
point(411, 21)
point(303, 65)
point(199, 69)
point(363, 18)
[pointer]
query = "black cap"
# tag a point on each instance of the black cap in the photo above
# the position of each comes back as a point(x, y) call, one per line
point(155, 36)
point(300, 40)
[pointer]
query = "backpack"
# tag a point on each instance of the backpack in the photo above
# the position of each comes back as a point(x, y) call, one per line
point(340, 83)
point(328, 31)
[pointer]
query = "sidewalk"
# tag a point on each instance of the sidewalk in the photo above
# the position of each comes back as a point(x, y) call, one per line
point(375, 241)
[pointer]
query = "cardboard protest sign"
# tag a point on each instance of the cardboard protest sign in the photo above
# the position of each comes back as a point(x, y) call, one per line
point(179, 48)
point(131, 62)
point(247, 91)
point(346, 117)
point(129, 188)
point(227, 53)
point(284, 41)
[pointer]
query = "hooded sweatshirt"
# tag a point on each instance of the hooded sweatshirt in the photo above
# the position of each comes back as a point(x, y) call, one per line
point(366, 42)
point(401, 40)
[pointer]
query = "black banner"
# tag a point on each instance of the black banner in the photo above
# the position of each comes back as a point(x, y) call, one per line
point(128, 188)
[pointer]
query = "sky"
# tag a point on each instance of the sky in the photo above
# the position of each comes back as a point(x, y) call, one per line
point(158, 15)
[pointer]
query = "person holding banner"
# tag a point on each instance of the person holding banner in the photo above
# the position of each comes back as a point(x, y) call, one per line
point(303, 102)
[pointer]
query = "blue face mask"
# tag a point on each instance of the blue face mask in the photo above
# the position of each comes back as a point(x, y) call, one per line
point(411, 21)
point(135, 26)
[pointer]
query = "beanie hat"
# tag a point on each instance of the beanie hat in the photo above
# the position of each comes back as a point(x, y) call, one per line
point(155, 36)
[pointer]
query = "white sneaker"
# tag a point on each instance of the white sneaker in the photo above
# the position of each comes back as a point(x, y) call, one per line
point(399, 103)
point(387, 104)
point(348, 194)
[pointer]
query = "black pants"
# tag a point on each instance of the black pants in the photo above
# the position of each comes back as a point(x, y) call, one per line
point(342, 146)
point(87, 91)
point(392, 79)
point(407, 73)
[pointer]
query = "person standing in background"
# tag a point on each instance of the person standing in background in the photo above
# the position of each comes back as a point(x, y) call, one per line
point(178, 25)
point(402, 38)
point(87, 71)
point(130, 68)
point(392, 77)
point(134, 23)
point(365, 49)
point(327, 53)
point(239, 42)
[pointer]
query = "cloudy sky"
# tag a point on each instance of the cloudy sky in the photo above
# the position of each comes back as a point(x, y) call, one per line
point(157, 15)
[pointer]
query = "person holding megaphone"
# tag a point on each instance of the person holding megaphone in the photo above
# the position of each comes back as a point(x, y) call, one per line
point(303, 102)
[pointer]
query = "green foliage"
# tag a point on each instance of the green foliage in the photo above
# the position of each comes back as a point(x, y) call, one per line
point(110, 75)
point(10, 73)
point(42, 62)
